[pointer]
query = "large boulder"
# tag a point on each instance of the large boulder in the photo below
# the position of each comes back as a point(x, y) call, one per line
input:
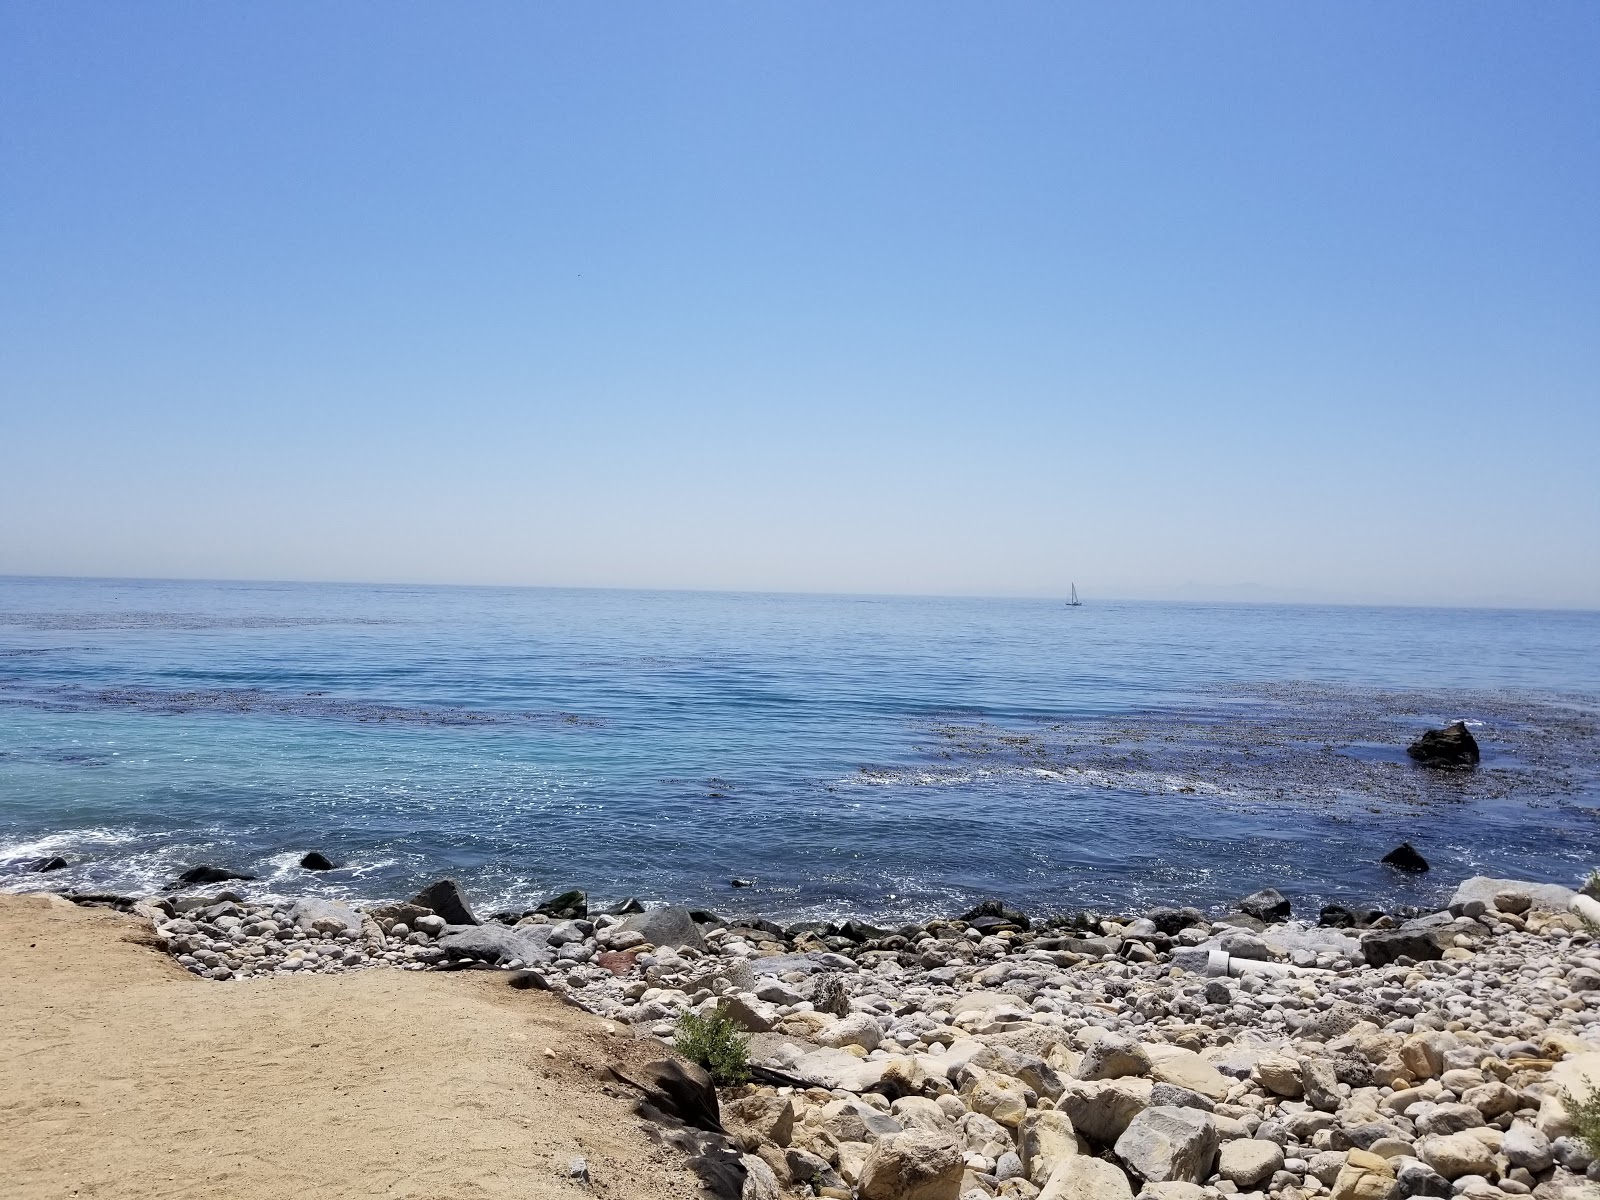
point(1112, 1057)
point(1248, 1161)
point(497, 944)
point(1404, 857)
point(1456, 1154)
point(1385, 946)
point(677, 1089)
point(1102, 1111)
point(444, 897)
point(913, 1166)
point(1546, 897)
point(324, 916)
point(1452, 746)
point(858, 1029)
point(568, 906)
point(316, 860)
point(1084, 1178)
point(1269, 904)
point(670, 926)
point(1045, 1137)
point(1164, 1143)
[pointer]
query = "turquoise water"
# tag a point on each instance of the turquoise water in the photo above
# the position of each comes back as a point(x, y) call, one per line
point(889, 756)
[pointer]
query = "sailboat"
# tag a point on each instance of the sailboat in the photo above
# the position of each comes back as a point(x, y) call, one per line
point(1074, 602)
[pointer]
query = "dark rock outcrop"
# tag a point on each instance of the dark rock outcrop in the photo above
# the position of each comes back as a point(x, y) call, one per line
point(1384, 947)
point(1172, 921)
point(1404, 857)
point(1452, 746)
point(57, 863)
point(568, 906)
point(993, 914)
point(677, 1089)
point(316, 860)
point(206, 873)
point(1269, 904)
point(445, 898)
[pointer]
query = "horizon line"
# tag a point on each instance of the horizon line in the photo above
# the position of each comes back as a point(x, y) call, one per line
point(1517, 606)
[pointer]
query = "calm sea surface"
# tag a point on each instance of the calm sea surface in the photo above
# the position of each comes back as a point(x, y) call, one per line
point(883, 756)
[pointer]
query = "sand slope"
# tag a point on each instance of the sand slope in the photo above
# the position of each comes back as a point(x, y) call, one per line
point(123, 1075)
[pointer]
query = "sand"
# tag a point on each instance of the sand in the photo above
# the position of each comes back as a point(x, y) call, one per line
point(123, 1075)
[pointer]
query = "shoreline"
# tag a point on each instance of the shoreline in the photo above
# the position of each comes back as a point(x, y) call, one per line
point(1190, 1056)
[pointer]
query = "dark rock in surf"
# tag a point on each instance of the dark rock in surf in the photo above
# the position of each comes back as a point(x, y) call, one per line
point(50, 864)
point(1269, 904)
point(1172, 921)
point(445, 898)
point(318, 861)
point(209, 874)
point(741, 883)
point(1452, 746)
point(1404, 857)
point(626, 908)
point(997, 914)
point(1336, 916)
point(568, 906)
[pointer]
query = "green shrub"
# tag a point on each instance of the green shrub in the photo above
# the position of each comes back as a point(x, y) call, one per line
point(715, 1043)
point(1591, 886)
point(1585, 1117)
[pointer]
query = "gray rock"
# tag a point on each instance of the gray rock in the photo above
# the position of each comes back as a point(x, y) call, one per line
point(496, 944)
point(1526, 1147)
point(671, 926)
point(324, 916)
point(1112, 1057)
point(1549, 897)
point(444, 897)
point(1269, 904)
point(1163, 1144)
point(1384, 947)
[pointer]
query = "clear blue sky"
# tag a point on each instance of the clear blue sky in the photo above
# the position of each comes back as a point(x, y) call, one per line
point(1168, 299)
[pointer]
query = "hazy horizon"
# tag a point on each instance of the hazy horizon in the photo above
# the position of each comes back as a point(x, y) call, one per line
point(1243, 302)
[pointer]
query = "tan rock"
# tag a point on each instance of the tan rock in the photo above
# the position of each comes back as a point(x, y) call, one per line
point(1185, 1068)
point(1279, 1074)
point(1456, 1154)
point(764, 1117)
point(1249, 1161)
point(1081, 1178)
point(1102, 1111)
point(1045, 1137)
point(912, 1166)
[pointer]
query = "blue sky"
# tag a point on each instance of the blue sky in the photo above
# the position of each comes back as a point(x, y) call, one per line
point(1171, 299)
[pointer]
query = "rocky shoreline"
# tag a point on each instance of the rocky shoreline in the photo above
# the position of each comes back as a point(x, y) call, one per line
point(1163, 1055)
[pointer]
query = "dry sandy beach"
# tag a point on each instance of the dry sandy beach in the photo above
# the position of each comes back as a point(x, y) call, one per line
point(124, 1075)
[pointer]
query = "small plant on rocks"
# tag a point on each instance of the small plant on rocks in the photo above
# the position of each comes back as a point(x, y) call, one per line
point(715, 1043)
point(1585, 1117)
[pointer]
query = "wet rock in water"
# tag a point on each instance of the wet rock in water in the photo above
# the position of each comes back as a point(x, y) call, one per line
point(670, 926)
point(626, 907)
point(568, 906)
point(996, 912)
point(1404, 857)
point(1452, 746)
point(1336, 916)
point(677, 1089)
point(445, 898)
point(1172, 921)
point(316, 860)
point(56, 863)
point(742, 883)
point(1269, 904)
point(207, 873)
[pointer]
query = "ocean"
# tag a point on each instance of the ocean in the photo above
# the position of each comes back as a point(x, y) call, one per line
point(887, 757)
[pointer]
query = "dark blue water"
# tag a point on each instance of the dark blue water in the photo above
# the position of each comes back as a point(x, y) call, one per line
point(874, 755)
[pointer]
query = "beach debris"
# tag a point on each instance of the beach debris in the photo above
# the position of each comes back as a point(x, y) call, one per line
point(1452, 746)
point(1404, 857)
point(318, 861)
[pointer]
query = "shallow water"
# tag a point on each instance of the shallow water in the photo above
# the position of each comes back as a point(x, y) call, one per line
point(890, 756)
